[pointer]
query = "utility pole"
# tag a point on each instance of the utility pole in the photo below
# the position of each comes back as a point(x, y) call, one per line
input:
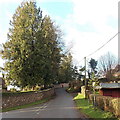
point(85, 78)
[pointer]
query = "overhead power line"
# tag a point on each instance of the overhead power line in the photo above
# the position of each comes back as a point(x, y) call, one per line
point(81, 60)
point(100, 47)
point(103, 45)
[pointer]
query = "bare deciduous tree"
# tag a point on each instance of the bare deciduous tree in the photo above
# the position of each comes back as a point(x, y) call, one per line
point(106, 64)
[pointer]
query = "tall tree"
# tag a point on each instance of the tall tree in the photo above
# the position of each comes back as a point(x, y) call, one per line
point(76, 75)
point(66, 72)
point(52, 56)
point(32, 51)
point(19, 50)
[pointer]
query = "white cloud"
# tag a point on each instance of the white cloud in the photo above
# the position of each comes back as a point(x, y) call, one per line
point(41, 1)
point(65, 1)
point(87, 27)
point(10, 1)
point(94, 16)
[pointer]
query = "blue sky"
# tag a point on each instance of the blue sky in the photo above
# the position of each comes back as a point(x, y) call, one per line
point(58, 8)
point(86, 24)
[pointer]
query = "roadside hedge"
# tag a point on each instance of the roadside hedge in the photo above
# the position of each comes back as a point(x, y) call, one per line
point(107, 103)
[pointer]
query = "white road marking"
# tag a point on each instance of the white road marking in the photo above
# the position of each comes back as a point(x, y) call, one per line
point(42, 108)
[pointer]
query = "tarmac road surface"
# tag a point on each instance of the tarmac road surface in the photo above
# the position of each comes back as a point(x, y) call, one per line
point(62, 106)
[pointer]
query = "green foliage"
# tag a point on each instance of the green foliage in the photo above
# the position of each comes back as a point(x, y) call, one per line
point(51, 50)
point(70, 90)
point(73, 89)
point(32, 52)
point(75, 74)
point(94, 80)
point(13, 90)
point(37, 88)
point(81, 72)
point(82, 69)
point(17, 93)
point(20, 50)
point(107, 103)
point(66, 71)
point(89, 110)
point(93, 64)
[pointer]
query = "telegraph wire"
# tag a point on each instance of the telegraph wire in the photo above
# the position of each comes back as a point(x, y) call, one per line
point(103, 45)
point(92, 54)
point(81, 60)
point(100, 47)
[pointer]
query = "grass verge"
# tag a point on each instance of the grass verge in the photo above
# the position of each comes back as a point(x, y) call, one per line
point(27, 105)
point(90, 111)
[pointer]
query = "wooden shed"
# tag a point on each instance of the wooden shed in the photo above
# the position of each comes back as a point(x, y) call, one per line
point(110, 89)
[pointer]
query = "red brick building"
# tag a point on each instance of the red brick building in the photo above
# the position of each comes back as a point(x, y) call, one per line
point(110, 89)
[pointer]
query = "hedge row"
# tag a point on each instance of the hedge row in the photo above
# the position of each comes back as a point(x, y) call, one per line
point(107, 103)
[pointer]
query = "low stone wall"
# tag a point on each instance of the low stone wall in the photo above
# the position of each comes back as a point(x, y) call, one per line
point(106, 103)
point(13, 100)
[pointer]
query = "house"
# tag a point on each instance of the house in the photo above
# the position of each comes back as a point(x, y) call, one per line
point(110, 89)
point(117, 74)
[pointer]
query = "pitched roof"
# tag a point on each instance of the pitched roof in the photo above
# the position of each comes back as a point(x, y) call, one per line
point(117, 73)
point(109, 85)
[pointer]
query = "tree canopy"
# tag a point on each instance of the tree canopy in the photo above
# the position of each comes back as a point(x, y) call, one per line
point(32, 52)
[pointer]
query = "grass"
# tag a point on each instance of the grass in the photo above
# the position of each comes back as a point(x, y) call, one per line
point(72, 90)
point(20, 92)
point(15, 93)
point(90, 111)
point(27, 105)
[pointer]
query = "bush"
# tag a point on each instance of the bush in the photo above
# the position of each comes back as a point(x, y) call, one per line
point(15, 93)
point(115, 106)
point(88, 109)
point(100, 102)
point(107, 103)
point(13, 90)
point(72, 90)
